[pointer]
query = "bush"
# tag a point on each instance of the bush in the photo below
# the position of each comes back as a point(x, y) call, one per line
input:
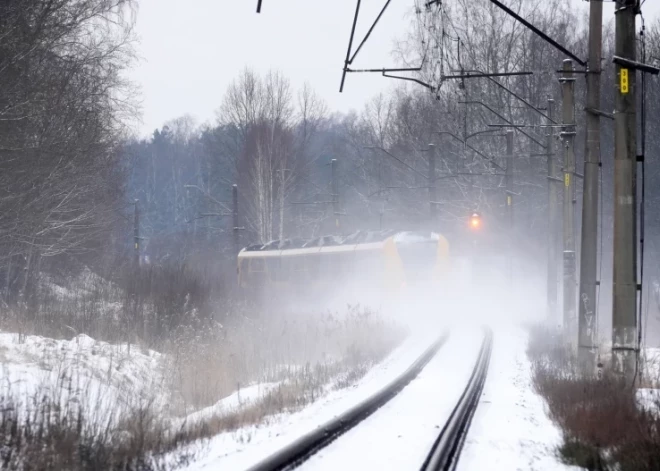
point(149, 306)
point(604, 426)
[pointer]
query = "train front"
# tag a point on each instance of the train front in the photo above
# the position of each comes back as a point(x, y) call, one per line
point(424, 261)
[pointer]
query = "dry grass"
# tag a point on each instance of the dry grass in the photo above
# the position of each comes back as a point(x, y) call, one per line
point(604, 427)
point(148, 307)
point(62, 430)
point(88, 305)
point(210, 364)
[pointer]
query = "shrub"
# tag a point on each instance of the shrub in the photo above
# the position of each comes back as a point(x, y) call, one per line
point(66, 431)
point(604, 427)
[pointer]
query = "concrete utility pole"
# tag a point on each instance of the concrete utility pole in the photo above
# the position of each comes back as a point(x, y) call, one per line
point(589, 241)
point(335, 193)
point(432, 185)
point(624, 313)
point(136, 236)
point(568, 138)
point(509, 197)
point(234, 213)
point(136, 270)
point(553, 218)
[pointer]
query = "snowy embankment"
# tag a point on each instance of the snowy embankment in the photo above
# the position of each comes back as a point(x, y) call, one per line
point(97, 373)
point(140, 403)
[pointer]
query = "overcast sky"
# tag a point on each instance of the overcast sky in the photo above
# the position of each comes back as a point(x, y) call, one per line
point(189, 54)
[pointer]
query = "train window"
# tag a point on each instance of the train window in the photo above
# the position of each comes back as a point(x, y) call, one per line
point(371, 262)
point(273, 268)
point(296, 269)
point(284, 268)
point(297, 264)
point(313, 265)
point(418, 259)
point(362, 260)
point(329, 265)
point(347, 262)
point(257, 265)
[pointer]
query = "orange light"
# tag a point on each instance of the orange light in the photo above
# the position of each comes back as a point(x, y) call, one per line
point(475, 221)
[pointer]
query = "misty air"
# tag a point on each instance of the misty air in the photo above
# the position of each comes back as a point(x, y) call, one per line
point(268, 235)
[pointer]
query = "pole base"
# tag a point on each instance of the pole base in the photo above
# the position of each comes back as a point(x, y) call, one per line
point(587, 360)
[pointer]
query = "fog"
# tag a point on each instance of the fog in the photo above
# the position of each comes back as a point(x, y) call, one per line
point(197, 228)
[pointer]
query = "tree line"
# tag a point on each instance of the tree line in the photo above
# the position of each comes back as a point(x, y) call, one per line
point(71, 171)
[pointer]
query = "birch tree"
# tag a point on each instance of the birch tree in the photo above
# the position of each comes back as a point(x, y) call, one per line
point(275, 128)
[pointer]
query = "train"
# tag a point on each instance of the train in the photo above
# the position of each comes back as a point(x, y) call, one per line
point(381, 262)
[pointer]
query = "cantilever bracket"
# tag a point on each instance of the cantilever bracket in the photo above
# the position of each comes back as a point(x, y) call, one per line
point(599, 113)
point(631, 64)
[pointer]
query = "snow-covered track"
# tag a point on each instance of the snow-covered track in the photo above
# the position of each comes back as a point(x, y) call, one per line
point(297, 452)
point(447, 448)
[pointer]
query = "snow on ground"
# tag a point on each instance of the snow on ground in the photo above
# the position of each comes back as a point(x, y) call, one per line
point(400, 435)
point(241, 398)
point(648, 399)
point(651, 366)
point(248, 445)
point(96, 371)
point(510, 429)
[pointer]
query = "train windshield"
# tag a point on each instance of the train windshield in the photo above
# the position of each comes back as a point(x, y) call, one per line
point(418, 256)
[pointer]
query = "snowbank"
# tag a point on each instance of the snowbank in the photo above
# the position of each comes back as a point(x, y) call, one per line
point(96, 372)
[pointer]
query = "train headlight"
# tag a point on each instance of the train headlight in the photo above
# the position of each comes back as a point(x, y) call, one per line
point(475, 221)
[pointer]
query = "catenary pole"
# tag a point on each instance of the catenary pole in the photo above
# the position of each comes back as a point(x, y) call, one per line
point(335, 195)
point(509, 199)
point(624, 313)
point(234, 213)
point(553, 219)
point(568, 138)
point(589, 237)
point(432, 185)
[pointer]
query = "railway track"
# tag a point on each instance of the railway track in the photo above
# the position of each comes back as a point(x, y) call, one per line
point(446, 448)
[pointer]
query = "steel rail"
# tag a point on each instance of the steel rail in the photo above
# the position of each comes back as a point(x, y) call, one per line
point(299, 451)
point(447, 448)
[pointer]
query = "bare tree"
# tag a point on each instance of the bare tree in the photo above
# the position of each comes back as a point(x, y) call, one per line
point(62, 104)
point(273, 144)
